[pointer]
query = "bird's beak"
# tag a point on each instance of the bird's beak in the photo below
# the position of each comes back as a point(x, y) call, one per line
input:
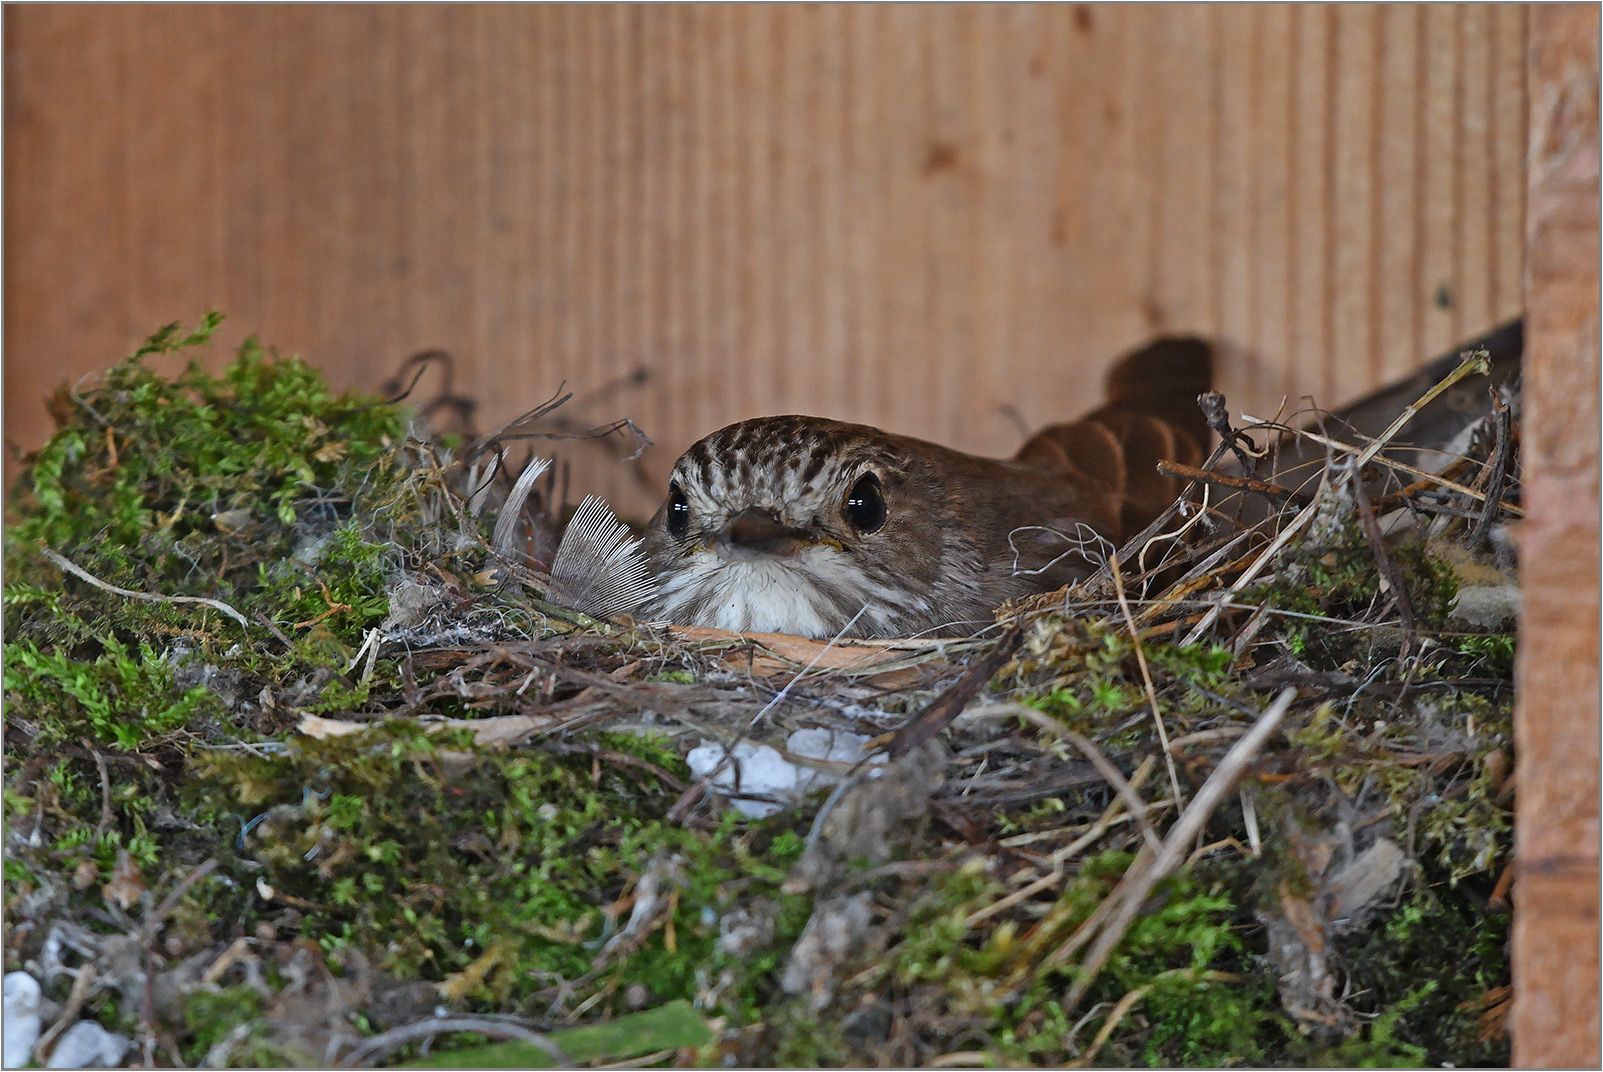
point(754, 531)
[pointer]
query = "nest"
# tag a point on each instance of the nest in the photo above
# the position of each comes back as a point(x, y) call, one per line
point(308, 765)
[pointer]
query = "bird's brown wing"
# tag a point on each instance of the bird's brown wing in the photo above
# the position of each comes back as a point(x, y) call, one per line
point(1150, 415)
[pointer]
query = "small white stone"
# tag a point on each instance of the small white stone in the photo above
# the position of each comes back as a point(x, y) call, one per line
point(836, 746)
point(21, 1026)
point(762, 771)
point(88, 1045)
point(757, 768)
point(1485, 606)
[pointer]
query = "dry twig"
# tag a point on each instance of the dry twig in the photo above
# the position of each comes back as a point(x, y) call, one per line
point(78, 571)
point(1146, 681)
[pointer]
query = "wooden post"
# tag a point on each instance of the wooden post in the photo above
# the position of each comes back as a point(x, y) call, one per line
point(1555, 946)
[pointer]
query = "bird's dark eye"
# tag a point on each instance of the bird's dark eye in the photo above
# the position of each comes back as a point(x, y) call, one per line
point(865, 504)
point(678, 512)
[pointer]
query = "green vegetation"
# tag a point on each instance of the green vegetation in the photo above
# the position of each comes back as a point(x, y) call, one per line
point(286, 882)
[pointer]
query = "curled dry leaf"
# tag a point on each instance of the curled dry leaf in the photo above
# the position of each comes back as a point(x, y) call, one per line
point(126, 884)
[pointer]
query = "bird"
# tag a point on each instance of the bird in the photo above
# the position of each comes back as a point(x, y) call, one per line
point(820, 528)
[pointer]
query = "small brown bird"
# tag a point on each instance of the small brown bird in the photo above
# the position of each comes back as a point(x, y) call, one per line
point(815, 527)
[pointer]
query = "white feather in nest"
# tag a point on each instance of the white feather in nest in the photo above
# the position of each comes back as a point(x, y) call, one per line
point(600, 569)
point(506, 524)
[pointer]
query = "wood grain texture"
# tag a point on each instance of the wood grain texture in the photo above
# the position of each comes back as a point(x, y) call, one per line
point(944, 220)
point(1555, 943)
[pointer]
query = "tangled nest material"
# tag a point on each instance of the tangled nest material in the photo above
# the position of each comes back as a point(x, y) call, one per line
point(308, 761)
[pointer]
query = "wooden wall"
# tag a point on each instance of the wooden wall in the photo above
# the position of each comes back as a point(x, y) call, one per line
point(1555, 942)
point(914, 216)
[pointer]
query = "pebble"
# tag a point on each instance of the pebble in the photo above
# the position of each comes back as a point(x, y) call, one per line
point(763, 772)
point(88, 1045)
point(21, 1019)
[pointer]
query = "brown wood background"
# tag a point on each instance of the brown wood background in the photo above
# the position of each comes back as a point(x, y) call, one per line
point(1555, 941)
point(913, 216)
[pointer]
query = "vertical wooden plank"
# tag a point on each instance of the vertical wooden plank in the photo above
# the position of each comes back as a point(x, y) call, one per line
point(1183, 283)
point(945, 169)
point(1439, 176)
point(1397, 307)
point(1236, 81)
point(1263, 376)
point(899, 298)
point(1311, 211)
point(753, 75)
point(513, 77)
point(983, 126)
point(1474, 268)
point(1100, 232)
point(1555, 942)
point(66, 168)
point(169, 117)
point(241, 178)
point(861, 350)
point(1507, 162)
point(826, 111)
point(1351, 287)
point(653, 244)
point(675, 252)
point(369, 331)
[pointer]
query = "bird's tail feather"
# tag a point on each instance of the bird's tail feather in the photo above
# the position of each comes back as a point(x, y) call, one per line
point(1151, 414)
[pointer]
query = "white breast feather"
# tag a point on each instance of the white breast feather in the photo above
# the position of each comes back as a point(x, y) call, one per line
point(775, 595)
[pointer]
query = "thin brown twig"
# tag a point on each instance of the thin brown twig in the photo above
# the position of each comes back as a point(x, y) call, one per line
point(69, 1012)
point(1146, 680)
point(105, 788)
point(268, 624)
point(949, 704)
point(1383, 558)
point(1132, 800)
point(154, 921)
point(1502, 425)
point(1120, 1010)
point(333, 608)
point(1240, 483)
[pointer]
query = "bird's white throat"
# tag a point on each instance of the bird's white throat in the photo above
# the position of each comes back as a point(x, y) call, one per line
point(813, 592)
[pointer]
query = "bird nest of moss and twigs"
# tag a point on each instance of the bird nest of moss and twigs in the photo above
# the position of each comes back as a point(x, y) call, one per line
point(306, 764)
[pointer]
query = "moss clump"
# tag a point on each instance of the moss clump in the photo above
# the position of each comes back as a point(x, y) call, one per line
point(259, 487)
point(498, 872)
point(1333, 576)
point(1440, 771)
point(1435, 1019)
point(124, 699)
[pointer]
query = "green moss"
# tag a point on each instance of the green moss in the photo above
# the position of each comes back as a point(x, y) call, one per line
point(1450, 804)
point(1337, 577)
point(120, 698)
point(202, 485)
point(1433, 1021)
point(437, 853)
point(1491, 655)
point(231, 1013)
